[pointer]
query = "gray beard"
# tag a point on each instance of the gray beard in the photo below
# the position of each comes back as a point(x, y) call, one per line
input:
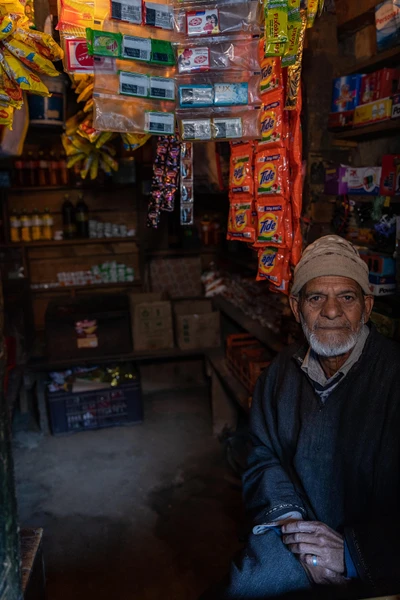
point(335, 347)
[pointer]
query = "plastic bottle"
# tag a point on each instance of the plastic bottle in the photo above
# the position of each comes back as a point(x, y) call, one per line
point(15, 227)
point(47, 225)
point(26, 227)
point(68, 216)
point(62, 170)
point(82, 218)
point(36, 232)
point(31, 164)
point(43, 170)
point(53, 170)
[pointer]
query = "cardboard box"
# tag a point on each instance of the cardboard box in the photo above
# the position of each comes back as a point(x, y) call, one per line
point(381, 110)
point(365, 43)
point(384, 266)
point(342, 119)
point(378, 85)
point(346, 93)
point(197, 325)
point(390, 179)
point(386, 289)
point(396, 106)
point(364, 181)
point(151, 317)
point(336, 180)
point(387, 20)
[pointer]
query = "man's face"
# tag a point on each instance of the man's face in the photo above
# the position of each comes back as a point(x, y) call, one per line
point(332, 311)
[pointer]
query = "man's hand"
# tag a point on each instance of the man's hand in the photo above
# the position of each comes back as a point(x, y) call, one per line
point(312, 540)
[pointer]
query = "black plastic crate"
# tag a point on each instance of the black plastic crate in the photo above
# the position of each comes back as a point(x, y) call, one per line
point(109, 407)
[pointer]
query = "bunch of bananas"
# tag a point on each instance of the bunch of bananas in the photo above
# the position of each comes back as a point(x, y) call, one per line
point(85, 145)
point(24, 55)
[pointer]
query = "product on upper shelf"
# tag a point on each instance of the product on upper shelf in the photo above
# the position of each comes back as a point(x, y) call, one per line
point(36, 226)
point(378, 85)
point(15, 227)
point(336, 180)
point(26, 225)
point(82, 218)
point(364, 180)
point(47, 225)
point(381, 110)
point(390, 180)
point(396, 106)
point(387, 20)
point(342, 119)
point(68, 217)
point(346, 93)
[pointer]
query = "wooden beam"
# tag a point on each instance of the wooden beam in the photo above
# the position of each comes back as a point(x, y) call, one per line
point(354, 14)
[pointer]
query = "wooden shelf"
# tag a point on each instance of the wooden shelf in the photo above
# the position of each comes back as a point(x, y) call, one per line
point(45, 364)
point(355, 14)
point(182, 252)
point(369, 132)
point(253, 326)
point(71, 188)
point(235, 388)
point(383, 59)
point(64, 289)
point(75, 242)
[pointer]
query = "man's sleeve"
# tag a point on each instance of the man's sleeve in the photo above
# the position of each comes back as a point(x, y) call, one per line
point(267, 488)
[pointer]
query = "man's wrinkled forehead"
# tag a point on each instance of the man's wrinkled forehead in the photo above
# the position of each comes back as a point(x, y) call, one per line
point(331, 284)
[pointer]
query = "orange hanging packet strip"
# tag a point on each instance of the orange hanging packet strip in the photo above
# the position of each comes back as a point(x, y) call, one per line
point(271, 265)
point(271, 171)
point(241, 222)
point(297, 191)
point(288, 223)
point(273, 119)
point(297, 248)
point(284, 287)
point(271, 216)
point(241, 180)
point(271, 71)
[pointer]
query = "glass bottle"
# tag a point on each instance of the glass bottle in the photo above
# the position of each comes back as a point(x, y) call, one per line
point(82, 218)
point(53, 170)
point(31, 164)
point(47, 225)
point(63, 171)
point(15, 227)
point(68, 216)
point(36, 226)
point(43, 170)
point(26, 226)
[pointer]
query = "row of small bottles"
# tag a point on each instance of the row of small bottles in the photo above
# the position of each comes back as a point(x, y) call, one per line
point(36, 226)
point(42, 169)
point(31, 227)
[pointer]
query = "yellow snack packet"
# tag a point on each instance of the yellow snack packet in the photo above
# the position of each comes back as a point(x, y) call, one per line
point(274, 49)
point(42, 42)
point(294, 71)
point(26, 80)
point(294, 4)
point(7, 26)
point(86, 166)
point(12, 7)
point(10, 92)
point(94, 167)
point(6, 115)
point(312, 10)
point(74, 159)
point(276, 18)
point(109, 161)
point(104, 138)
point(292, 45)
point(75, 14)
point(30, 57)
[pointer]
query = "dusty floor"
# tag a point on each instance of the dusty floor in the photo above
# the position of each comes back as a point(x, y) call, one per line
point(146, 512)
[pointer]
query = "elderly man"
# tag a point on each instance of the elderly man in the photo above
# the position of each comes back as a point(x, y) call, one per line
point(322, 487)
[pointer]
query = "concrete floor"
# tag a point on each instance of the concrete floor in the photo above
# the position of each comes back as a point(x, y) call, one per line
point(146, 512)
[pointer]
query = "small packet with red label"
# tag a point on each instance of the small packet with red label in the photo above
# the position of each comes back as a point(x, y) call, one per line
point(273, 119)
point(241, 179)
point(271, 171)
point(271, 263)
point(271, 216)
point(241, 223)
point(286, 278)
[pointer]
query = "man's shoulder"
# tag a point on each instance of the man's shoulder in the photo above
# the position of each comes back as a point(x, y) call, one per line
point(384, 348)
point(283, 360)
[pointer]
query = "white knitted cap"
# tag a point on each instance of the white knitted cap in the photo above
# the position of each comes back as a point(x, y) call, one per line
point(331, 255)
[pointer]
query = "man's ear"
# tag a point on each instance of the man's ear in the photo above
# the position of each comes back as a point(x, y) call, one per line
point(369, 305)
point(294, 302)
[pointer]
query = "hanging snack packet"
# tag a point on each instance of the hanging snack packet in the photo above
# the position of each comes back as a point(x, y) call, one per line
point(75, 14)
point(276, 21)
point(30, 58)
point(43, 43)
point(294, 33)
point(6, 116)
point(241, 223)
point(297, 248)
point(284, 287)
point(270, 265)
point(294, 71)
point(103, 43)
point(274, 49)
point(241, 172)
point(7, 26)
point(312, 10)
point(271, 71)
point(27, 80)
point(193, 59)
point(162, 52)
point(10, 92)
point(272, 119)
point(271, 227)
point(294, 5)
point(271, 171)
